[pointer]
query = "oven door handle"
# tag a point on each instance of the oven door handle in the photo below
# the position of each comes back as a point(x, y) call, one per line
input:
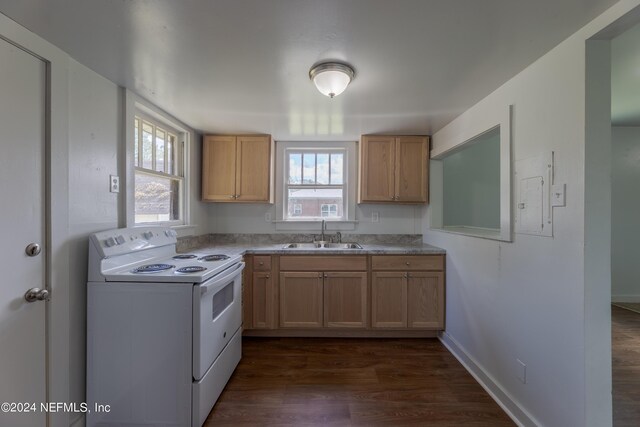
point(216, 281)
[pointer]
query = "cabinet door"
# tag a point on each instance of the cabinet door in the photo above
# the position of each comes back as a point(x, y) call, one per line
point(377, 164)
point(262, 300)
point(412, 169)
point(426, 300)
point(389, 300)
point(301, 300)
point(253, 159)
point(219, 168)
point(345, 300)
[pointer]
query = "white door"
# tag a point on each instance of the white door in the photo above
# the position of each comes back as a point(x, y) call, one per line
point(22, 222)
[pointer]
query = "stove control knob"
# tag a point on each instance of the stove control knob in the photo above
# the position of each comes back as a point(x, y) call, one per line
point(147, 235)
point(120, 239)
point(110, 242)
point(170, 233)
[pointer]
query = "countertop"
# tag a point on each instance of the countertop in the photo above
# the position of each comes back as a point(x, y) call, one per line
point(278, 249)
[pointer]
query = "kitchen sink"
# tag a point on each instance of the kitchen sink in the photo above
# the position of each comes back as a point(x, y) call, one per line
point(302, 246)
point(342, 246)
point(322, 245)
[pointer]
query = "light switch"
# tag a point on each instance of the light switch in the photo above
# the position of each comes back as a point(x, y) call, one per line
point(558, 195)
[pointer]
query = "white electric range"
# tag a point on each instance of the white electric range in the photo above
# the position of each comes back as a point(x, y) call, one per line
point(163, 329)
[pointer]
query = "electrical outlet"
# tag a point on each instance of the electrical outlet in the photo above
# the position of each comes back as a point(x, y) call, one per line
point(114, 183)
point(522, 371)
point(267, 217)
point(375, 217)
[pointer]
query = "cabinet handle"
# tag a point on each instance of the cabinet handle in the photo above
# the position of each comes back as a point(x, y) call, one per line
point(406, 275)
point(326, 276)
point(261, 263)
point(408, 263)
point(232, 197)
point(267, 276)
point(319, 275)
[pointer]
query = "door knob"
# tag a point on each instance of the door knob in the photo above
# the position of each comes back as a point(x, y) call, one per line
point(37, 294)
point(33, 249)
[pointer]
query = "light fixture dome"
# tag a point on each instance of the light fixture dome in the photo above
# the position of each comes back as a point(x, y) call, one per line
point(331, 78)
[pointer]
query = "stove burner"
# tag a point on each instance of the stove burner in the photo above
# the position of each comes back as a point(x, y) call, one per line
point(214, 258)
point(191, 269)
point(185, 256)
point(153, 268)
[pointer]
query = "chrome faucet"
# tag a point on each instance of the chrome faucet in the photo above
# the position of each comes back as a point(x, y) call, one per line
point(323, 228)
point(338, 237)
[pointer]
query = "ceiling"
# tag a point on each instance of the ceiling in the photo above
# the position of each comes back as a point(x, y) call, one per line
point(230, 66)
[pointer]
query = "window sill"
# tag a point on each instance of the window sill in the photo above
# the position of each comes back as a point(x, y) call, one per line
point(483, 233)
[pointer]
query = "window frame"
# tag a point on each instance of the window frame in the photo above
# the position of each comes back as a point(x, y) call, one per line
point(288, 186)
point(446, 143)
point(179, 164)
point(349, 175)
point(134, 106)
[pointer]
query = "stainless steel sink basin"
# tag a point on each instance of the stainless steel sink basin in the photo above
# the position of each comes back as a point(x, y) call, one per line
point(342, 245)
point(322, 245)
point(302, 246)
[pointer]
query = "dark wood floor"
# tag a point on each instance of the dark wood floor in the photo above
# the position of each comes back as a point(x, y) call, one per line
point(352, 382)
point(625, 350)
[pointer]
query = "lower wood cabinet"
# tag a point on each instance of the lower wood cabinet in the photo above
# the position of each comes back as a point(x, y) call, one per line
point(389, 300)
point(425, 295)
point(323, 299)
point(407, 300)
point(345, 299)
point(262, 300)
point(361, 294)
point(258, 294)
point(301, 300)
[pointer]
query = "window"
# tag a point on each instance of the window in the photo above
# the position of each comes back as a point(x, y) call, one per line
point(471, 178)
point(159, 173)
point(329, 211)
point(315, 184)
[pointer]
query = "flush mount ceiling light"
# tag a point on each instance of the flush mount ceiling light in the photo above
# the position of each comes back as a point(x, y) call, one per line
point(331, 78)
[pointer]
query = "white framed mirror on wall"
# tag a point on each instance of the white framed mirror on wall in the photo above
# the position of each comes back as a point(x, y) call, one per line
point(471, 179)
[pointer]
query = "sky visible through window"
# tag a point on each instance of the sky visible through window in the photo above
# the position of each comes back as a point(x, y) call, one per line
point(316, 168)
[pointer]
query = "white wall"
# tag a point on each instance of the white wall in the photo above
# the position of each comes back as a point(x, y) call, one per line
point(94, 136)
point(250, 218)
point(625, 211)
point(528, 300)
point(96, 150)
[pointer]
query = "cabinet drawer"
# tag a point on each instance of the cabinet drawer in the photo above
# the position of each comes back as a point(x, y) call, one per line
point(407, 262)
point(262, 263)
point(323, 263)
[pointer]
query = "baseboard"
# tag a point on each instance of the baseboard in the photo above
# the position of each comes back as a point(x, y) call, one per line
point(518, 414)
point(625, 298)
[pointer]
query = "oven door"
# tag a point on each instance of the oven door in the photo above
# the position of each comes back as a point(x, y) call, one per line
point(217, 315)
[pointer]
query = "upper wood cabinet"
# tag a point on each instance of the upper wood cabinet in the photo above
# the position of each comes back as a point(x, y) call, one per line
point(394, 169)
point(237, 168)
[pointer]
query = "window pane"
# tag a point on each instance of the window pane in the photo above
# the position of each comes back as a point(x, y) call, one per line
point(136, 141)
point(323, 169)
point(156, 198)
point(171, 155)
point(295, 168)
point(309, 168)
point(147, 144)
point(160, 144)
point(312, 200)
point(337, 166)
